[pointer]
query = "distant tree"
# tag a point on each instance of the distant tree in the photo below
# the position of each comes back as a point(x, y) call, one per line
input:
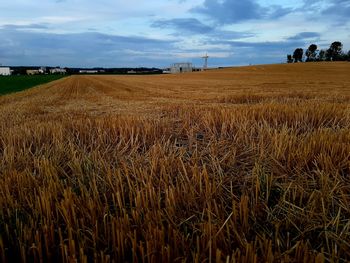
point(19, 71)
point(310, 53)
point(343, 57)
point(321, 55)
point(335, 51)
point(349, 55)
point(289, 58)
point(298, 55)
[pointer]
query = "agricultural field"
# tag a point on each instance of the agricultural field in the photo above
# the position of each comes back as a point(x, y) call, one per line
point(10, 84)
point(248, 164)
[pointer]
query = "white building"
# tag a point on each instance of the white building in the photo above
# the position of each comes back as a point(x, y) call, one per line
point(181, 68)
point(88, 71)
point(58, 71)
point(42, 70)
point(39, 71)
point(33, 72)
point(5, 71)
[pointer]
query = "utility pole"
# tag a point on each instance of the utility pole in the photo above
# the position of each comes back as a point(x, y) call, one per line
point(205, 66)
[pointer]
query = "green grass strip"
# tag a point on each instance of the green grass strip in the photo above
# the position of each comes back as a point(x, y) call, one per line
point(10, 84)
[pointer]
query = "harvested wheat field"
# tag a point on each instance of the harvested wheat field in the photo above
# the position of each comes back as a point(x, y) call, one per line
point(248, 164)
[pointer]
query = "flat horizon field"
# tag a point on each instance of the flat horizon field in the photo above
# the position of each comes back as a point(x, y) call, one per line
point(243, 164)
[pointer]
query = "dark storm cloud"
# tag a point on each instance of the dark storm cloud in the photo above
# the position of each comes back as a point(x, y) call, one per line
point(234, 11)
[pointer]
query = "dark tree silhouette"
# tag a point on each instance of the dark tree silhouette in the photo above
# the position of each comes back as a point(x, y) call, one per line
point(344, 56)
point(321, 55)
point(334, 52)
point(310, 53)
point(298, 55)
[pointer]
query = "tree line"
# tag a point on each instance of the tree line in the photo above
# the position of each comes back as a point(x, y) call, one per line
point(333, 53)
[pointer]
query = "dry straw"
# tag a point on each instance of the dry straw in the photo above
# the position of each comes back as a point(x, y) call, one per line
point(92, 171)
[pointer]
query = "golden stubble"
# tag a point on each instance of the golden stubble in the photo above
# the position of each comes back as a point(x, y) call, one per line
point(246, 164)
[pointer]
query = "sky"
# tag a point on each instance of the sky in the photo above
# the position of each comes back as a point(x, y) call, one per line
point(156, 33)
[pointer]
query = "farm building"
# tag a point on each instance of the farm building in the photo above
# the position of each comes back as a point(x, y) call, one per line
point(33, 71)
point(41, 70)
point(181, 68)
point(58, 71)
point(88, 71)
point(5, 71)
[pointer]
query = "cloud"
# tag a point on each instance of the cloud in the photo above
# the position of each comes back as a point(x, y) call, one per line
point(278, 11)
point(227, 12)
point(28, 26)
point(84, 49)
point(119, 33)
point(230, 35)
point(305, 35)
point(188, 25)
point(266, 46)
point(261, 52)
point(340, 9)
point(91, 49)
point(235, 11)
